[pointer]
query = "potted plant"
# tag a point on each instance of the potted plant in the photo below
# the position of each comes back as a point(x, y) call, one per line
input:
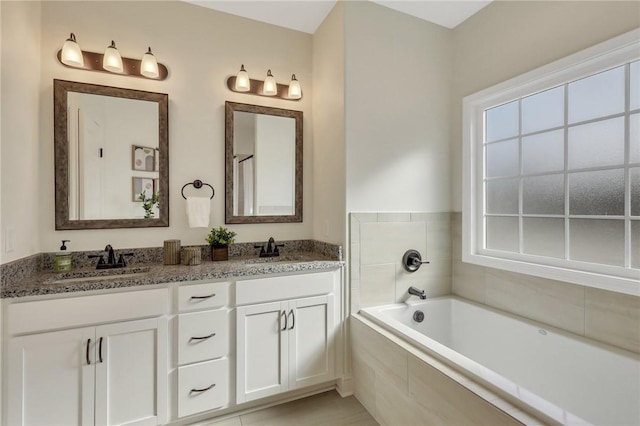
point(219, 240)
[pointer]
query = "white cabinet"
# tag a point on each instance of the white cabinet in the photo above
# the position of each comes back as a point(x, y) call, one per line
point(203, 347)
point(88, 360)
point(105, 375)
point(283, 346)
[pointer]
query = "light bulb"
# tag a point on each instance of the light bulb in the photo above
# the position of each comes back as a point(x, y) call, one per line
point(112, 61)
point(295, 92)
point(243, 84)
point(71, 53)
point(149, 65)
point(270, 87)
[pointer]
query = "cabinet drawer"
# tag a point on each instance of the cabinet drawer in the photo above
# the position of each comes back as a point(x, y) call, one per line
point(203, 296)
point(262, 290)
point(203, 387)
point(203, 335)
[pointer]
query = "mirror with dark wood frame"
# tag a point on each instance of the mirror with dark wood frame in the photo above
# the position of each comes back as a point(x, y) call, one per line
point(263, 164)
point(111, 144)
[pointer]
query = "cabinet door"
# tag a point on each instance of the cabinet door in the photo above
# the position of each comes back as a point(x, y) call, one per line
point(262, 344)
point(311, 334)
point(49, 379)
point(131, 373)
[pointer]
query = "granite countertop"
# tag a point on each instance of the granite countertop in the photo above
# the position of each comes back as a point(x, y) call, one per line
point(87, 279)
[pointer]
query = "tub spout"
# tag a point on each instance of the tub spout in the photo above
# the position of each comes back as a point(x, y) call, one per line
point(417, 292)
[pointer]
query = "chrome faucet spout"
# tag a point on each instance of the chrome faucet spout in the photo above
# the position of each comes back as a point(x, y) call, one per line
point(417, 292)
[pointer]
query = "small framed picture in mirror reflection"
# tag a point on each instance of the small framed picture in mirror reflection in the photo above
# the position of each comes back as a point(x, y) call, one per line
point(142, 184)
point(144, 158)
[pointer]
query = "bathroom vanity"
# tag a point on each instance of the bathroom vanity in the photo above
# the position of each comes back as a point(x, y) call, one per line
point(170, 344)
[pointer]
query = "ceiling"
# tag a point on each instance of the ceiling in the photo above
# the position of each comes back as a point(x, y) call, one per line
point(307, 15)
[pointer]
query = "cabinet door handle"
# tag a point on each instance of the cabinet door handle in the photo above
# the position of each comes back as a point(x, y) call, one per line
point(87, 353)
point(283, 314)
point(100, 350)
point(203, 337)
point(293, 319)
point(203, 297)
point(201, 390)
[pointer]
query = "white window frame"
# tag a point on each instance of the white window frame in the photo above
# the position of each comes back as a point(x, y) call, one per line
point(609, 54)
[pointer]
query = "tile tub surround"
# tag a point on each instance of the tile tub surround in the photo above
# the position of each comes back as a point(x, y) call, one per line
point(377, 244)
point(40, 279)
point(609, 317)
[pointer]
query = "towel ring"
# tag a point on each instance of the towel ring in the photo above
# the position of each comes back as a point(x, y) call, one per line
point(197, 184)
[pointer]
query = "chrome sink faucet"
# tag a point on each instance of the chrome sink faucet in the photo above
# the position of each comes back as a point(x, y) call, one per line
point(417, 292)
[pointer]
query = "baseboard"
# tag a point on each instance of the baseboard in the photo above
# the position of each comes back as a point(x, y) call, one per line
point(345, 386)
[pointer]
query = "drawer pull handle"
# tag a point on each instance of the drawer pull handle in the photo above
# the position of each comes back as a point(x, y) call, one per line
point(203, 297)
point(203, 337)
point(87, 354)
point(100, 350)
point(284, 314)
point(201, 390)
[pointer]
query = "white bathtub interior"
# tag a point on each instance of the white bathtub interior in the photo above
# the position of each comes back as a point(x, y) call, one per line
point(568, 378)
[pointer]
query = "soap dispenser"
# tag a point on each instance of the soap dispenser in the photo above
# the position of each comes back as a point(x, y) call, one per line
point(62, 262)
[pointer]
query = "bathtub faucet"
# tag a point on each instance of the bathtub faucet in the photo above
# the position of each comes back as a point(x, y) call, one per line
point(417, 292)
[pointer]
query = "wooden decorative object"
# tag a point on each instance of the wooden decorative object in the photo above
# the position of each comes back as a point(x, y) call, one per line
point(192, 256)
point(219, 253)
point(172, 252)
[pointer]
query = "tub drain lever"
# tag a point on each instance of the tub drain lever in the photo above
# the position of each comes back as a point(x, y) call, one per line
point(412, 260)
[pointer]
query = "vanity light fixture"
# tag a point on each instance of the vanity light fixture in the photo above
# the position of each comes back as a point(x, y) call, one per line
point(241, 83)
point(149, 65)
point(295, 92)
point(112, 61)
point(270, 87)
point(71, 56)
point(71, 53)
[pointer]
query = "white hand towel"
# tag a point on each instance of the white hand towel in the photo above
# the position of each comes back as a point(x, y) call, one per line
point(198, 210)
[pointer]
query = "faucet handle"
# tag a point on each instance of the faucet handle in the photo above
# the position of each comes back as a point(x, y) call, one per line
point(98, 256)
point(121, 258)
point(276, 252)
point(261, 249)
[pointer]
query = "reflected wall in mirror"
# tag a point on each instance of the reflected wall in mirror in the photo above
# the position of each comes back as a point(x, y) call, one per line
point(263, 164)
point(110, 145)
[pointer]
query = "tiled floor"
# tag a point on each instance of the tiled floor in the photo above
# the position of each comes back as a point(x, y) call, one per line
point(323, 409)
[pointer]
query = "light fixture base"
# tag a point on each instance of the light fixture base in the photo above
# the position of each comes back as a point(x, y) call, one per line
point(256, 86)
point(131, 67)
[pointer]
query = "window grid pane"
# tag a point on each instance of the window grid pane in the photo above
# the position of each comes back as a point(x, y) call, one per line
point(556, 204)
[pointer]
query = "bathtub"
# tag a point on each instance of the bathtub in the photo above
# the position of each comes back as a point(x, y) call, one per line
point(547, 372)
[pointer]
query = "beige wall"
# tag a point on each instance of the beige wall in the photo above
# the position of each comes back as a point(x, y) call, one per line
point(329, 188)
point(20, 151)
point(397, 82)
point(201, 48)
point(509, 38)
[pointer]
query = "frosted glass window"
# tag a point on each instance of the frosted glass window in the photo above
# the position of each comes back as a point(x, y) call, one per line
point(597, 144)
point(502, 122)
point(543, 110)
point(543, 236)
point(502, 196)
point(503, 158)
point(543, 195)
point(502, 233)
point(597, 96)
point(599, 241)
point(634, 174)
point(634, 138)
point(543, 152)
point(635, 244)
point(597, 193)
point(635, 85)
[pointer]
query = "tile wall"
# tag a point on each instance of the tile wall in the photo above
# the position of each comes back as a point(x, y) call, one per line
point(377, 243)
point(609, 317)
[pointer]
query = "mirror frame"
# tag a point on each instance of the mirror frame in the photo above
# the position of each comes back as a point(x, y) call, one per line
point(61, 155)
point(230, 108)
